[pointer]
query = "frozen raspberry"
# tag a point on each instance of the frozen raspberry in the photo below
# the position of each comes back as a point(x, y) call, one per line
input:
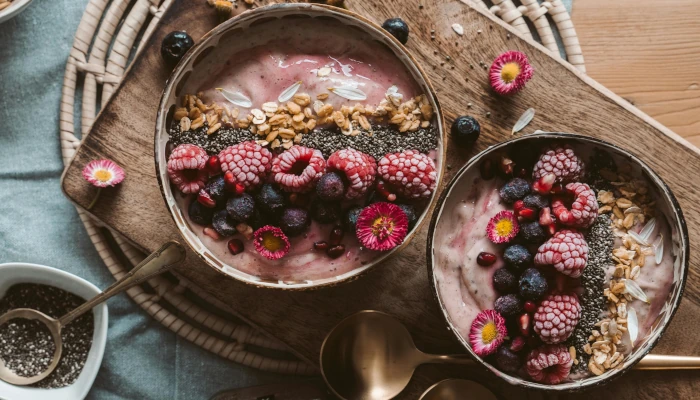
point(248, 161)
point(549, 364)
point(411, 173)
point(298, 169)
point(556, 317)
point(186, 168)
point(358, 168)
point(584, 209)
point(566, 251)
point(560, 161)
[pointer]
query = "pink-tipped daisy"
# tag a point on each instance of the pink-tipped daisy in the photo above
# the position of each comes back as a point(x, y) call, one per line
point(271, 242)
point(487, 332)
point(382, 226)
point(509, 72)
point(503, 227)
point(103, 173)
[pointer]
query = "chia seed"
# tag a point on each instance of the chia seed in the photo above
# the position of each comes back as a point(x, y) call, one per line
point(600, 241)
point(27, 346)
point(214, 143)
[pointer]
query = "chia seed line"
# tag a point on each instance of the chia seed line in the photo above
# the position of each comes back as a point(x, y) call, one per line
point(27, 347)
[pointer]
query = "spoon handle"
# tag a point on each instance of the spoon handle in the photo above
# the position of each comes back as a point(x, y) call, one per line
point(450, 359)
point(158, 262)
point(662, 362)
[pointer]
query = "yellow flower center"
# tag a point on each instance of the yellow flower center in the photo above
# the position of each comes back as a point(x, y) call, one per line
point(382, 227)
point(509, 72)
point(504, 227)
point(103, 175)
point(489, 332)
point(271, 242)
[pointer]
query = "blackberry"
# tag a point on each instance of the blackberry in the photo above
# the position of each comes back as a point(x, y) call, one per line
point(199, 214)
point(517, 257)
point(509, 305)
point(504, 281)
point(174, 46)
point(536, 200)
point(533, 285)
point(223, 224)
point(507, 360)
point(397, 28)
point(270, 199)
point(350, 217)
point(241, 208)
point(465, 130)
point(330, 187)
point(294, 221)
point(515, 189)
point(325, 213)
point(410, 212)
point(216, 188)
point(532, 232)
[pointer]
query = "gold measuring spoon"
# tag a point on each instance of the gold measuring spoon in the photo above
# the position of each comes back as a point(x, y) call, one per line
point(160, 261)
point(371, 356)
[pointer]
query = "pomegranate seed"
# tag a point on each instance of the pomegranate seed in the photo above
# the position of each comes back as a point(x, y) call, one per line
point(230, 181)
point(485, 259)
point(522, 173)
point(551, 230)
point(517, 344)
point(558, 188)
point(235, 246)
point(384, 192)
point(240, 188)
point(321, 246)
point(336, 236)
point(518, 205)
point(544, 184)
point(214, 165)
point(524, 324)
point(205, 199)
point(507, 165)
point(527, 214)
point(486, 170)
point(212, 233)
point(530, 306)
point(336, 251)
point(546, 218)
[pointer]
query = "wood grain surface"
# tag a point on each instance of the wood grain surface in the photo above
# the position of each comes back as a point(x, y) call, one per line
point(565, 101)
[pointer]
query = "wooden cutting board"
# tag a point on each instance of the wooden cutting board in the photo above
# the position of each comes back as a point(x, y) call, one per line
point(564, 99)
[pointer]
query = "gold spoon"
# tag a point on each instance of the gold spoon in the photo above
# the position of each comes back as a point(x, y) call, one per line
point(371, 356)
point(160, 261)
point(457, 389)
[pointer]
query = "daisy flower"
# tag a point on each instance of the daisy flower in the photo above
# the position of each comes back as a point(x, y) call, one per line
point(487, 333)
point(382, 226)
point(509, 72)
point(103, 173)
point(271, 242)
point(503, 227)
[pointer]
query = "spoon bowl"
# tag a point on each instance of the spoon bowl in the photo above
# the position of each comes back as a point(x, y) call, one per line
point(457, 389)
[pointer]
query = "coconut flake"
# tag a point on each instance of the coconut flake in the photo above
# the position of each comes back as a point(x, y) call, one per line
point(634, 235)
point(289, 92)
point(349, 93)
point(458, 29)
point(392, 94)
point(236, 98)
point(632, 325)
point(658, 247)
point(645, 233)
point(524, 119)
point(633, 288)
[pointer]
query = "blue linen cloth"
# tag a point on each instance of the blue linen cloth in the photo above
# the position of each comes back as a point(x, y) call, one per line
point(39, 225)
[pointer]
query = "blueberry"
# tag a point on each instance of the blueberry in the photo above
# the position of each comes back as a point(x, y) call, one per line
point(507, 361)
point(517, 257)
point(535, 200)
point(350, 217)
point(259, 219)
point(216, 188)
point(410, 212)
point(223, 225)
point(270, 200)
point(325, 213)
point(174, 46)
point(505, 281)
point(533, 284)
point(532, 232)
point(509, 305)
point(294, 221)
point(199, 214)
point(515, 189)
point(465, 130)
point(397, 28)
point(241, 208)
point(330, 187)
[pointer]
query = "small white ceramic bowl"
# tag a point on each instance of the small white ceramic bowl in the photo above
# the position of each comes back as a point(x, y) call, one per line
point(14, 273)
point(13, 9)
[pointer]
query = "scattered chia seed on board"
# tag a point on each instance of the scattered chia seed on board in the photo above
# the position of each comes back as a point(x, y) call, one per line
point(31, 346)
point(600, 241)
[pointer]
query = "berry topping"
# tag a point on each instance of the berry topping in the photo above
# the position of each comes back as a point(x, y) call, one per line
point(410, 173)
point(509, 72)
point(205, 199)
point(271, 242)
point(532, 232)
point(524, 324)
point(507, 360)
point(336, 251)
point(487, 332)
point(200, 214)
point(235, 246)
point(321, 246)
point(216, 187)
point(556, 317)
point(517, 257)
point(214, 165)
point(485, 259)
point(381, 226)
point(504, 281)
point(509, 305)
point(247, 161)
point(298, 169)
point(517, 344)
point(530, 307)
point(186, 168)
point(397, 28)
point(515, 189)
point(549, 364)
point(584, 209)
point(330, 187)
point(325, 213)
point(533, 286)
point(560, 161)
point(503, 227)
point(241, 208)
point(535, 200)
point(223, 224)
point(350, 217)
point(567, 251)
point(356, 168)
point(465, 130)
point(270, 200)
point(544, 184)
point(175, 44)
point(410, 212)
point(294, 221)
point(336, 235)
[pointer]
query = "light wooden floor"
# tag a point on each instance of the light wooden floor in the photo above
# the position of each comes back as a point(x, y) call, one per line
point(647, 51)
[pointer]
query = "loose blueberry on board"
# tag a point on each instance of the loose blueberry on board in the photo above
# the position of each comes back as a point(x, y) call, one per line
point(174, 46)
point(397, 28)
point(465, 130)
point(200, 214)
